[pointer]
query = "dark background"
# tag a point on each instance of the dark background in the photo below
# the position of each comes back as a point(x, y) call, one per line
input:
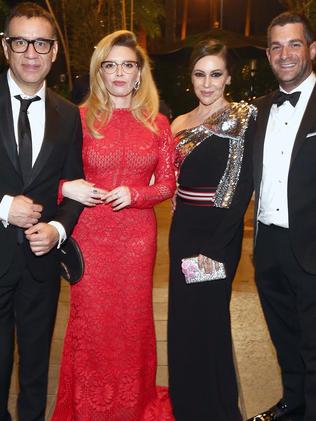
point(170, 67)
point(233, 16)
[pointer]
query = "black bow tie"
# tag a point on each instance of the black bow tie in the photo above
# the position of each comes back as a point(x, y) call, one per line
point(280, 97)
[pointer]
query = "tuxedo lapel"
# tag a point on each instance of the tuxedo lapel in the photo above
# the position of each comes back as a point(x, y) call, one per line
point(307, 122)
point(51, 123)
point(7, 136)
point(264, 106)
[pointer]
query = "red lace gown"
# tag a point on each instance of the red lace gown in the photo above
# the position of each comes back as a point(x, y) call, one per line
point(108, 369)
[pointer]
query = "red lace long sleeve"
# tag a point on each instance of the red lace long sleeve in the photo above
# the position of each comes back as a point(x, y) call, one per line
point(164, 185)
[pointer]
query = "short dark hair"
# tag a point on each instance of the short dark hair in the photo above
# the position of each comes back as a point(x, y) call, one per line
point(211, 47)
point(29, 10)
point(292, 17)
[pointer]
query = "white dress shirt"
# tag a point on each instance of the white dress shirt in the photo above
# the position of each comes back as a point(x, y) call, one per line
point(36, 115)
point(283, 124)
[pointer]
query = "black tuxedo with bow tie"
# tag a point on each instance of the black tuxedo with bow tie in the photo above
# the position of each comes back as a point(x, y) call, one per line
point(29, 285)
point(285, 262)
point(301, 180)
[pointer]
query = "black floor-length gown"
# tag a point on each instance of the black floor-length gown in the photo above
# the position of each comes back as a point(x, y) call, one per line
point(213, 158)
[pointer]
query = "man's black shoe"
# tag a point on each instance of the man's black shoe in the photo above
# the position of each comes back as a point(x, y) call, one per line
point(280, 412)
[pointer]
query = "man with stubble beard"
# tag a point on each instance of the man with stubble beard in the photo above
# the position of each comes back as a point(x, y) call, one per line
point(285, 213)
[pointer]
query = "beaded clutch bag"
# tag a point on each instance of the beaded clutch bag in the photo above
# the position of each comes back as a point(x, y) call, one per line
point(194, 274)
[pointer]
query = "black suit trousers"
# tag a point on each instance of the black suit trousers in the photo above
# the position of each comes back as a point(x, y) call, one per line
point(29, 307)
point(288, 298)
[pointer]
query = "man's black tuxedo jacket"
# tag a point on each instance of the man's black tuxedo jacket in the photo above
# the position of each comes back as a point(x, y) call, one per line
point(60, 157)
point(301, 180)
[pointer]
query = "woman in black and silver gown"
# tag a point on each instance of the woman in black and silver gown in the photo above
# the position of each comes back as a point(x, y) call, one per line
point(213, 165)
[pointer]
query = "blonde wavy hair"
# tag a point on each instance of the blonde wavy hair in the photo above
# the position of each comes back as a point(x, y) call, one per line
point(145, 100)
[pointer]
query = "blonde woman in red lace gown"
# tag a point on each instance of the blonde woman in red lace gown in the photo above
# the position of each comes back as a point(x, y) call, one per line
point(108, 369)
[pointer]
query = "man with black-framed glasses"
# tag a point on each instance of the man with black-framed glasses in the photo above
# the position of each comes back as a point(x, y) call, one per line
point(40, 144)
point(21, 45)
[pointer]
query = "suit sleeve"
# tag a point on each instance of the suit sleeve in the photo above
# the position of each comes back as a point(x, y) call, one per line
point(69, 210)
point(214, 246)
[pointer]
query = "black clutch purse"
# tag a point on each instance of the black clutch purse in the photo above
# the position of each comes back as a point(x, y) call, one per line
point(71, 260)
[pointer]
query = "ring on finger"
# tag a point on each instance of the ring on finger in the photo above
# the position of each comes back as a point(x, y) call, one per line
point(94, 191)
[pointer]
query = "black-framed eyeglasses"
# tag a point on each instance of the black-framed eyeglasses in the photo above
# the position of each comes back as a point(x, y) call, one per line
point(128, 66)
point(20, 45)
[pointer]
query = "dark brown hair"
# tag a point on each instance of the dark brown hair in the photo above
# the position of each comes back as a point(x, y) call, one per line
point(29, 10)
point(292, 17)
point(211, 47)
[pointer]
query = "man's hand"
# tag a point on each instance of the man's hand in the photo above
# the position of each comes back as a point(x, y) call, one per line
point(42, 237)
point(23, 212)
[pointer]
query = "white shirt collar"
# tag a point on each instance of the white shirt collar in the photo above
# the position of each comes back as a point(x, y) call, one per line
point(306, 86)
point(16, 90)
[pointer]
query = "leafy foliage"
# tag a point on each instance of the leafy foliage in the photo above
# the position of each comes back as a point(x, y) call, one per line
point(308, 7)
point(3, 13)
point(85, 22)
point(148, 15)
point(297, 5)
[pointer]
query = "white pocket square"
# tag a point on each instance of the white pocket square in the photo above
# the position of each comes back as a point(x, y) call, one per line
point(310, 135)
